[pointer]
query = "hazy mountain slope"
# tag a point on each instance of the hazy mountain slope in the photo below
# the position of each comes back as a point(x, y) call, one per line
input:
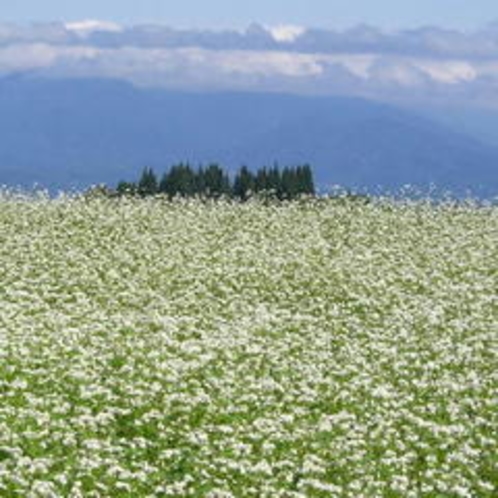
point(384, 150)
point(64, 133)
point(476, 122)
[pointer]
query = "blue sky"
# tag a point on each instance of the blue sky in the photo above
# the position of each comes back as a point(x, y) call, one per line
point(390, 14)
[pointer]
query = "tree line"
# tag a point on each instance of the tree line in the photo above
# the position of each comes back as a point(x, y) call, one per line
point(214, 182)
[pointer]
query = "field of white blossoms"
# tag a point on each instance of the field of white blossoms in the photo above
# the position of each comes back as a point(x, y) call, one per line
point(214, 349)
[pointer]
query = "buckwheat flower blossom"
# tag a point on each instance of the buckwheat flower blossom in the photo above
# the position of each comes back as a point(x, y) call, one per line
point(326, 347)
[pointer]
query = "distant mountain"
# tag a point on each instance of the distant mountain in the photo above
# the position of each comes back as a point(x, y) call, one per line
point(74, 133)
point(479, 123)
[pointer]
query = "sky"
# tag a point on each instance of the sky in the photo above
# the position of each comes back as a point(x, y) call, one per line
point(222, 14)
point(369, 48)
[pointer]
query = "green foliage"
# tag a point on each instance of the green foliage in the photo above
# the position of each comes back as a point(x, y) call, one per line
point(213, 182)
point(147, 185)
point(179, 180)
point(126, 188)
point(244, 184)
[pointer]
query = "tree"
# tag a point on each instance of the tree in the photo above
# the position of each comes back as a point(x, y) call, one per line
point(243, 184)
point(213, 181)
point(200, 181)
point(126, 188)
point(147, 185)
point(290, 183)
point(305, 180)
point(261, 181)
point(179, 180)
point(216, 181)
point(275, 182)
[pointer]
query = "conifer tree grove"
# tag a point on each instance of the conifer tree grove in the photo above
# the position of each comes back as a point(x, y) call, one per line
point(213, 182)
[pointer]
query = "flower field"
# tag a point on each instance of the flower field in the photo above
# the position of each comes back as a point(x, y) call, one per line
point(217, 349)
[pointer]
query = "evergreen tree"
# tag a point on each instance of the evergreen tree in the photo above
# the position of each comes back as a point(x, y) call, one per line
point(216, 181)
point(244, 184)
point(200, 182)
point(179, 180)
point(126, 188)
point(261, 181)
point(305, 179)
point(187, 181)
point(290, 185)
point(163, 184)
point(275, 182)
point(147, 185)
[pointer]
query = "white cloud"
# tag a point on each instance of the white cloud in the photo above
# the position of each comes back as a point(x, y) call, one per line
point(20, 57)
point(449, 72)
point(397, 72)
point(286, 33)
point(196, 68)
point(88, 26)
point(362, 61)
point(267, 63)
point(358, 65)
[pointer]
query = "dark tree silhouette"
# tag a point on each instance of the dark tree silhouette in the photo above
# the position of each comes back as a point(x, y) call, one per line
point(244, 184)
point(147, 185)
point(213, 182)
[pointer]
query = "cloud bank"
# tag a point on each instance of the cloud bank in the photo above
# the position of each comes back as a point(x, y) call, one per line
point(426, 64)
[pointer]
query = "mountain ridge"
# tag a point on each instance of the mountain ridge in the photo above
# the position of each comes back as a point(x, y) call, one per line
point(71, 133)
